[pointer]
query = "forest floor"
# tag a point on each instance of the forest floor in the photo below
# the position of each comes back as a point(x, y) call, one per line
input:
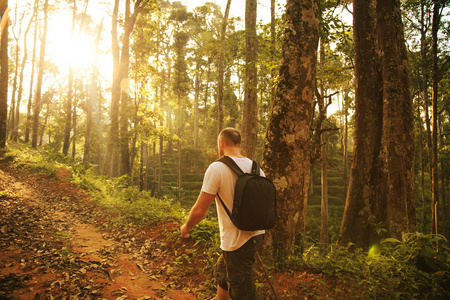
point(55, 243)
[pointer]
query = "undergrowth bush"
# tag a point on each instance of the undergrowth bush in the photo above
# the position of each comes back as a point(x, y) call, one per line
point(417, 267)
point(115, 194)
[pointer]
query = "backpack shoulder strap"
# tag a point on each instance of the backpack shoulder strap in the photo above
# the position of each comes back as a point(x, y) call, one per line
point(255, 168)
point(231, 164)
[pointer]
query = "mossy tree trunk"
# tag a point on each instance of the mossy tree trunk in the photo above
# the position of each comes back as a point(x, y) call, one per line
point(286, 151)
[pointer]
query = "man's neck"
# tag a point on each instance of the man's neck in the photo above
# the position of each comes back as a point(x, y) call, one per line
point(233, 153)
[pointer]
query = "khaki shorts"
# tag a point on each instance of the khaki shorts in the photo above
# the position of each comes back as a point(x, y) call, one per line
point(234, 270)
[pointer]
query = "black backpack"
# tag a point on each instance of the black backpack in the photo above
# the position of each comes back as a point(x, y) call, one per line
point(254, 203)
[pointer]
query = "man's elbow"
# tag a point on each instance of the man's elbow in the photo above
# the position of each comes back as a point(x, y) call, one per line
point(199, 214)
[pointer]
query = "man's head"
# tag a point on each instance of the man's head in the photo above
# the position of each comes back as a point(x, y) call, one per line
point(228, 138)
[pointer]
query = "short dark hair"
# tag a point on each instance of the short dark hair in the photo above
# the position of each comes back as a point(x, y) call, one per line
point(230, 136)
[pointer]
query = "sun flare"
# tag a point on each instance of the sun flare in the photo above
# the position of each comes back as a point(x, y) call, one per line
point(63, 50)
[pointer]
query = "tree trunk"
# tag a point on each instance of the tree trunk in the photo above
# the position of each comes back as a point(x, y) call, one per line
point(22, 68)
point(286, 152)
point(422, 173)
point(196, 99)
point(381, 181)
point(111, 166)
point(249, 116)
point(92, 99)
point(435, 74)
point(179, 174)
point(323, 149)
point(345, 148)
point(45, 100)
point(123, 70)
point(161, 139)
point(12, 121)
point(68, 110)
point(424, 87)
point(324, 240)
point(4, 74)
point(38, 104)
point(221, 69)
point(143, 174)
point(154, 182)
point(360, 200)
point(74, 126)
point(33, 64)
point(273, 43)
point(398, 121)
point(443, 179)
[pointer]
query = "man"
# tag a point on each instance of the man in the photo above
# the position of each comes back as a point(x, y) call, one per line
point(234, 269)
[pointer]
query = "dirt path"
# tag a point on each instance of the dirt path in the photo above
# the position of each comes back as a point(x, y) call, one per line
point(54, 245)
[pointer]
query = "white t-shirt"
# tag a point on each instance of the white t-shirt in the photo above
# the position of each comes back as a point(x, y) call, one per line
point(219, 178)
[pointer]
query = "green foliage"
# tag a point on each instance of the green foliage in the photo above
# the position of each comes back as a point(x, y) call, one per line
point(8, 194)
point(114, 194)
point(206, 232)
point(417, 267)
point(44, 160)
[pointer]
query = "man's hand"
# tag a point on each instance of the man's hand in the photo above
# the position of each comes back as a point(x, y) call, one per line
point(184, 231)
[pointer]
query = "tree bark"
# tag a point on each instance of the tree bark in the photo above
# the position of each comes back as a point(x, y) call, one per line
point(286, 152)
point(221, 68)
point(324, 239)
point(74, 126)
point(424, 87)
point(22, 68)
point(12, 121)
point(398, 121)
point(361, 197)
point(92, 99)
point(38, 104)
point(4, 76)
point(381, 181)
point(111, 166)
point(33, 64)
point(68, 110)
point(249, 116)
point(443, 181)
point(196, 100)
point(422, 173)
point(435, 74)
point(273, 43)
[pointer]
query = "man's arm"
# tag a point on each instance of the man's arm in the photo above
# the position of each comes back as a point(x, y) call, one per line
point(198, 212)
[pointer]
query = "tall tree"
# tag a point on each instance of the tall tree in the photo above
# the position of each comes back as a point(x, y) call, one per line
point(118, 162)
point(130, 20)
point(181, 80)
point(12, 116)
point(38, 104)
point(92, 100)
point(221, 68)
point(249, 116)
point(68, 109)
point(286, 153)
point(3, 72)
point(28, 122)
point(22, 71)
point(437, 13)
point(381, 181)
point(111, 166)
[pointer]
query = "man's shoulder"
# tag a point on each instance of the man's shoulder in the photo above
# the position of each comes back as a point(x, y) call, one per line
point(216, 166)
